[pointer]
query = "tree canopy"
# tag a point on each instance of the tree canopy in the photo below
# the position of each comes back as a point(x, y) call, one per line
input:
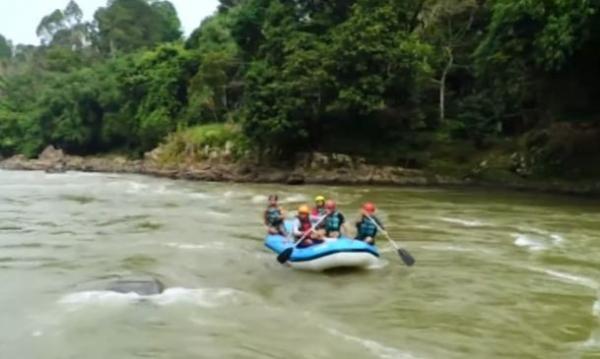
point(5, 48)
point(128, 25)
point(304, 74)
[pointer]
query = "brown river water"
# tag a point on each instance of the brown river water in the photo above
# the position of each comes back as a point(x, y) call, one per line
point(498, 274)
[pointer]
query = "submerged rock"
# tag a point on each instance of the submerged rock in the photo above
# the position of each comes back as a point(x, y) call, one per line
point(57, 168)
point(140, 286)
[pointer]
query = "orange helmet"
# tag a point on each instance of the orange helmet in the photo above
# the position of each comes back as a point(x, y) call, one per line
point(369, 207)
point(303, 209)
point(330, 204)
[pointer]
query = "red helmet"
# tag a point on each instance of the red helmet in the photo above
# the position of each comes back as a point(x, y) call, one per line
point(369, 207)
point(330, 204)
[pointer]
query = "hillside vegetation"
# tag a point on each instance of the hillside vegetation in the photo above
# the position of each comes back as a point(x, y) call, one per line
point(480, 87)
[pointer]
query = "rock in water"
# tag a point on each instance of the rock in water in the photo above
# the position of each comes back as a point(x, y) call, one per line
point(57, 168)
point(142, 287)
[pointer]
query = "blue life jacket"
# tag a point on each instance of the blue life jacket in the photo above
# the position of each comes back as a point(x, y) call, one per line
point(366, 228)
point(273, 216)
point(333, 222)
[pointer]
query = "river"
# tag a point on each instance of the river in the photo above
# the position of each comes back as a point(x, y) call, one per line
point(498, 274)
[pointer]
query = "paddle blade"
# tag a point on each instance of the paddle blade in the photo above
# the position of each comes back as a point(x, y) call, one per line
point(285, 255)
point(406, 257)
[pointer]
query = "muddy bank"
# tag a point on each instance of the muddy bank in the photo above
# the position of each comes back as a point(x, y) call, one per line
point(309, 169)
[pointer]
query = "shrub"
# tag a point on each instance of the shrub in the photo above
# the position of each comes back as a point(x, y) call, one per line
point(198, 143)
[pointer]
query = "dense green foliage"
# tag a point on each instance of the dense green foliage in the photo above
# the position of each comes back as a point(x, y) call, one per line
point(126, 25)
point(361, 76)
point(5, 48)
point(197, 143)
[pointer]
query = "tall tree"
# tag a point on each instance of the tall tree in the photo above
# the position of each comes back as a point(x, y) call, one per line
point(50, 25)
point(449, 25)
point(65, 28)
point(5, 48)
point(127, 25)
point(169, 22)
point(225, 5)
point(73, 14)
point(524, 43)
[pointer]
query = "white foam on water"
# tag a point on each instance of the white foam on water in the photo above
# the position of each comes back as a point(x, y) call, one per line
point(539, 231)
point(212, 245)
point(199, 195)
point(523, 240)
point(463, 222)
point(593, 342)
point(452, 248)
point(295, 198)
point(259, 199)
point(217, 214)
point(201, 297)
point(378, 349)
point(37, 333)
point(136, 187)
point(232, 194)
point(382, 263)
point(422, 226)
point(75, 174)
point(387, 250)
point(596, 308)
point(572, 278)
point(557, 238)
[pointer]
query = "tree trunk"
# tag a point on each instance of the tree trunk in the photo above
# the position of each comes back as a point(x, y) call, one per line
point(414, 22)
point(443, 85)
point(113, 48)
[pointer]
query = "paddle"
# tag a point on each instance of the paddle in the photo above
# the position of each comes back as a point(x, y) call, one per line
point(403, 253)
point(286, 254)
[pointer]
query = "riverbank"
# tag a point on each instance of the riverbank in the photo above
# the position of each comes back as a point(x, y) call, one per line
point(334, 169)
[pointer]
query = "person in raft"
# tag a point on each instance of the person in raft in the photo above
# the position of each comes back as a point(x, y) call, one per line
point(366, 230)
point(319, 210)
point(273, 217)
point(303, 228)
point(333, 225)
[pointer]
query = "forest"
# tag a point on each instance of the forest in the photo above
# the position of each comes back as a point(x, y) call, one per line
point(447, 85)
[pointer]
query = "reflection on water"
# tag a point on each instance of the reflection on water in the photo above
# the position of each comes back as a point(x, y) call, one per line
point(498, 275)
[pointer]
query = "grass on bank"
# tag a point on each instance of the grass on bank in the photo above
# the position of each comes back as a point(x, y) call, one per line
point(203, 142)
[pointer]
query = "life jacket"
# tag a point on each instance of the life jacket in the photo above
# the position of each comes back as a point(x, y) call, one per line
point(273, 216)
point(333, 222)
point(305, 225)
point(366, 228)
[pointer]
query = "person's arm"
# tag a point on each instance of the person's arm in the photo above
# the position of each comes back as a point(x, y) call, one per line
point(342, 224)
point(358, 220)
point(295, 231)
point(323, 223)
point(283, 213)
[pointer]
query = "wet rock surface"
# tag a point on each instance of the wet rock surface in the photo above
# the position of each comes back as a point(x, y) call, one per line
point(315, 168)
point(139, 286)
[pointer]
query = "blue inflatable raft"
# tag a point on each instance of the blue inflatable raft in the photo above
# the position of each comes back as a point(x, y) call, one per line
point(334, 253)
